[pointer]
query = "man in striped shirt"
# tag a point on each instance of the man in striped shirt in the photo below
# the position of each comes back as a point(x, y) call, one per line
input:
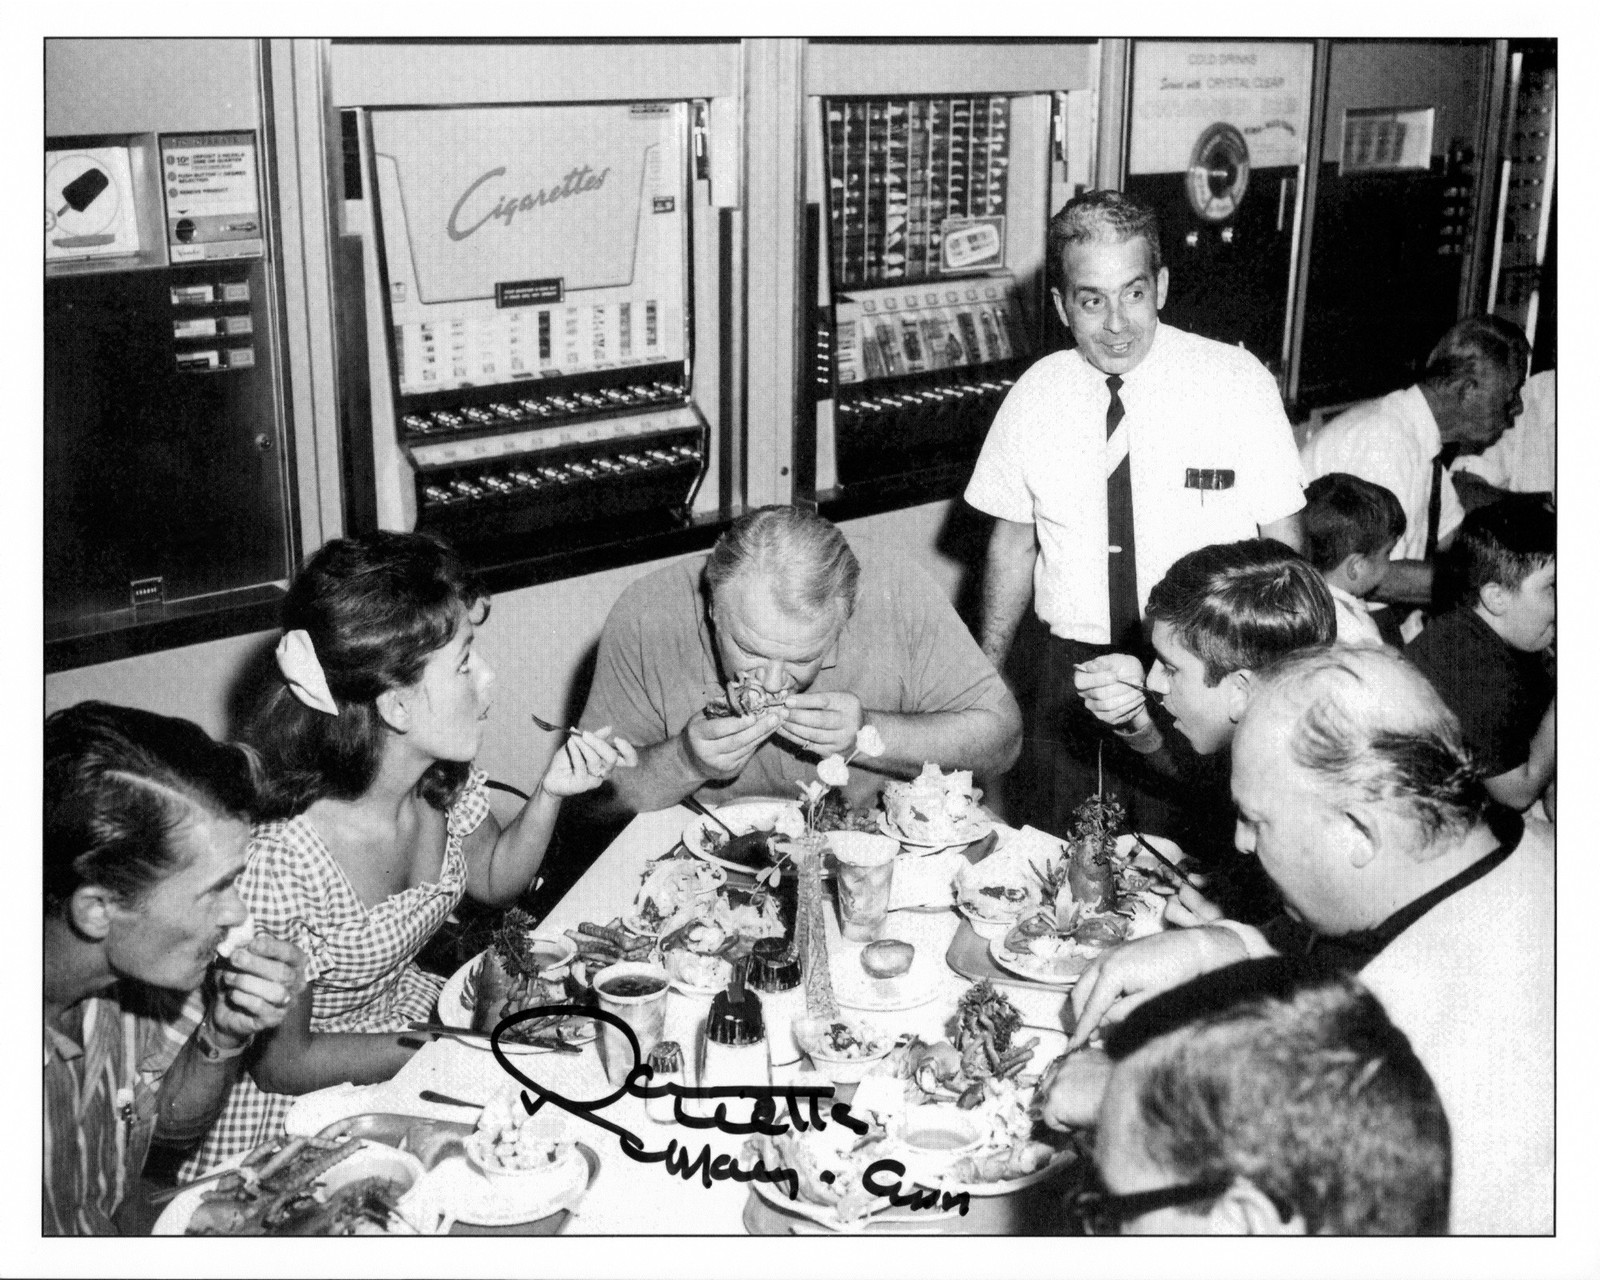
point(144, 836)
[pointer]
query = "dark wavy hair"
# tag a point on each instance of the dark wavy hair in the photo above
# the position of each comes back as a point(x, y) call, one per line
point(1238, 605)
point(1100, 217)
point(117, 783)
point(376, 608)
point(1377, 732)
point(1348, 516)
point(801, 555)
point(1298, 1081)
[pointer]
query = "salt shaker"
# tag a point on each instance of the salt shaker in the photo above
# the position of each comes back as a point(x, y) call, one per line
point(736, 1050)
point(775, 973)
point(666, 1066)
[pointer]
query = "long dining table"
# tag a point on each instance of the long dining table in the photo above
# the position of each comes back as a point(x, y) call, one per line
point(632, 1197)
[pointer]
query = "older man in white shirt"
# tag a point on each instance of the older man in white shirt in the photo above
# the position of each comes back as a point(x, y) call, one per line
point(1468, 396)
point(1521, 461)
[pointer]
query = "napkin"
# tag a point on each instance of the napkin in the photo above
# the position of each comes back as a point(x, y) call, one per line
point(925, 881)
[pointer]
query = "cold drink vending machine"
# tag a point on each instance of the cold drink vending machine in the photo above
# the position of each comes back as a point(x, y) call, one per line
point(531, 365)
point(1217, 144)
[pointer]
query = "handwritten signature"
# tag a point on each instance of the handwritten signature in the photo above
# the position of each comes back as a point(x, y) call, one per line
point(803, 1104)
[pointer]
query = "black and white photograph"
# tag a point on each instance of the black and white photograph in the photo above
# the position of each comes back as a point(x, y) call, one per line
point(801, 654)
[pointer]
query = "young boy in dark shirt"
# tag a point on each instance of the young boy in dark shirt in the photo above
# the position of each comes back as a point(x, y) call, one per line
point(1485, 657)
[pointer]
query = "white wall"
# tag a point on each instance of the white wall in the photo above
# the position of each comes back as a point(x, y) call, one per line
point(540, 641)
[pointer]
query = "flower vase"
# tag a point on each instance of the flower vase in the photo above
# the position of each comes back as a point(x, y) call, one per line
point(811, 933)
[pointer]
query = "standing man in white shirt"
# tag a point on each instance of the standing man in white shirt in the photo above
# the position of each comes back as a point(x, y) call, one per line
point(1142, 425)
point(1467, 398)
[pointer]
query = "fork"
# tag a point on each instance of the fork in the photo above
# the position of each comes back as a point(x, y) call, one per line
point(554, 728)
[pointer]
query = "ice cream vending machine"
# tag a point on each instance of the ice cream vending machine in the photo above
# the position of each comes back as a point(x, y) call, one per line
point(166, 464)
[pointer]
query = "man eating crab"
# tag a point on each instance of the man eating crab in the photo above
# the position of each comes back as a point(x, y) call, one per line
point(735, 672)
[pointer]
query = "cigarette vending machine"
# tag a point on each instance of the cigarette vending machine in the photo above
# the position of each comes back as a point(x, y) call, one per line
point(534, 341)
point(166, 464)
point(1217, 144)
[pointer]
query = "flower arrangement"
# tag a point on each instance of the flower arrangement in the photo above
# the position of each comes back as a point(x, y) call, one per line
point(832, 771)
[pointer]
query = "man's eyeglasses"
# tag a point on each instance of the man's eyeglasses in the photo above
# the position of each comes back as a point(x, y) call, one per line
point(1102, 1213)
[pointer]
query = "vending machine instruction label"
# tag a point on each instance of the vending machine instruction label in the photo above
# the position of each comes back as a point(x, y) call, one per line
point(213, 199)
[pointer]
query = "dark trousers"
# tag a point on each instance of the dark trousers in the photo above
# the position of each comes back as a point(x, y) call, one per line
point(1068, 755)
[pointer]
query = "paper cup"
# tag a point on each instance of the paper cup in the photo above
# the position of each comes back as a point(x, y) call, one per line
point(618, 988)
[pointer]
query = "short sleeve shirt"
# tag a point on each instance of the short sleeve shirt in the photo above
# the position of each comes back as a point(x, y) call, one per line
point(1391, 441)
point(903, 650)
point(362, 959)
point(1354, 620)
point(1498, 693)
point(1190, 406)
point(1524, 459)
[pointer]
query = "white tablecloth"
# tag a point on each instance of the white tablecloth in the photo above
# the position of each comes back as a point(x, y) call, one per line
point(630, 1197)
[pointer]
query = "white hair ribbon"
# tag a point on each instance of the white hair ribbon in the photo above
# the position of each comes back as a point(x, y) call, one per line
point(297, 659)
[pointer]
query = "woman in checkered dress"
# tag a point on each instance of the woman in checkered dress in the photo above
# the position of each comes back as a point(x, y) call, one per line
point(376, 821)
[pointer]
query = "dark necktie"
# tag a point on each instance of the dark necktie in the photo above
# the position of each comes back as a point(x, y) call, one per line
point(1124, 582)
point(1441, 460)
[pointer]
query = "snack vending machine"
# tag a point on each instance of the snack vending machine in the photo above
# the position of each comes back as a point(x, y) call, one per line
point(531, 330)
point(1396, 234)
point(928, 233)
point(1217, 144)
point(165, 462)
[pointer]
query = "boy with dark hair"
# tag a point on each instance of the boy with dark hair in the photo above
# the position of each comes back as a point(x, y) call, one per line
point(1218, 615)
point(1352, 526)
point(1485, 655)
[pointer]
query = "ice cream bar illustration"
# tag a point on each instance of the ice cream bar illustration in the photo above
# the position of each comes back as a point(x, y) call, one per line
point(83, 190)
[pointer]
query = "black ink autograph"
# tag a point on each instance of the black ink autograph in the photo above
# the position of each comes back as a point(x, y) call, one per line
point(881, 1178)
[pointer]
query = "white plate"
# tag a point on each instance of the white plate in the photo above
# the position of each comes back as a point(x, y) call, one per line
point(855, 988)
point(1036, 968)
point(741, 817)
point(825, 1216)
point(174, 1219)
point(454, 1014)
point(959, 838)
point(461, 1194)
point(1058, 1162)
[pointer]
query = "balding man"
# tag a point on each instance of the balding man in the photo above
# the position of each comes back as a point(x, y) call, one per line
point(1355, 792)
point(1468, 397)
point(838, 642)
